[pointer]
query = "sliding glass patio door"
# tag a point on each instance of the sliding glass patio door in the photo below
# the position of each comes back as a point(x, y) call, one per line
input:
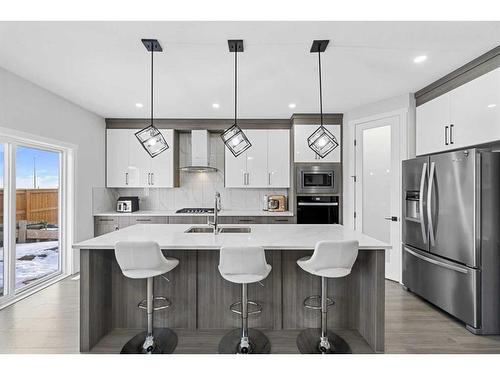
point(37, 215)
point(33, 216)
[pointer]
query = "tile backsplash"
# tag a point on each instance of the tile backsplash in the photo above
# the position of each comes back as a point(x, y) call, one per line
point(196, 189)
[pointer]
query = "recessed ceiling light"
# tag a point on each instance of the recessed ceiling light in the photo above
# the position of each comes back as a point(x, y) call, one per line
point(492, 105)
point(292, 105)
point(139, 105)
point(215, 105)
point(419, 59)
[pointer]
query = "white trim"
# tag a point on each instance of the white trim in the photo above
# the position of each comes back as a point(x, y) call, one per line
point(26, 293)
point(350, 160)
point(11, 135)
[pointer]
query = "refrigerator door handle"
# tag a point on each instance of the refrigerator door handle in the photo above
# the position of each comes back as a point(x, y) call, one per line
point(421, 202)
point(437, 262)
point(429, 199)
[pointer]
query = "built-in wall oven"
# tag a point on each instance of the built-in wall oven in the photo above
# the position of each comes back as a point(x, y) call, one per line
point(323, 209)
point(319, 179)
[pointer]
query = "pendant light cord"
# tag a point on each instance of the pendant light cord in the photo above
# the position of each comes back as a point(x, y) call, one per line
point(235, 82)
point(320, 90)
point(152, 67)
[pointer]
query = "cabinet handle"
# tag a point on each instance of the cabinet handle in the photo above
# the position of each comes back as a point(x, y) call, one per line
point(269, 178)
point(142, 219)
point(451, 134)
point(126, 178)
point(446, 135)
point(152, 178)
point(244, 178)
point(101, 220)
point(149, 178)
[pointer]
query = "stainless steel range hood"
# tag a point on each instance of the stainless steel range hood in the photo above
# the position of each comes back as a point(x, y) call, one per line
point(200, 153)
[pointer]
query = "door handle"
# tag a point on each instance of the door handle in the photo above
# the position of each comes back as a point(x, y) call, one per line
point(429, 199)
point(451, 134)
point(421, 203)
point(391, 218)
point(446, 135)
point(437, 262)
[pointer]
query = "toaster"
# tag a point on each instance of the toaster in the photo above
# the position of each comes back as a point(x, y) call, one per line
point(127, 204)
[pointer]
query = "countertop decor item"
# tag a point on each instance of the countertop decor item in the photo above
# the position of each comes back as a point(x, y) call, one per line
point(321, 141)
point(234, 138)
point(150, 137)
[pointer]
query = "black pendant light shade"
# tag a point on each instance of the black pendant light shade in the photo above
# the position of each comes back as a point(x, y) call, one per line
point(234, 138)
point(150, 137)
point(321, 141)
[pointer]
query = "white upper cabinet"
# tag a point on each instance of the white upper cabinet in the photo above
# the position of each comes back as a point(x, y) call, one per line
point(278, 161)
point(265, 164)
point(129, 165)
point(257, 156)
point(433, 120)
point(302, 151)
point(117, 157)
point(162, 165)
point(466, 116)
point(475, 111)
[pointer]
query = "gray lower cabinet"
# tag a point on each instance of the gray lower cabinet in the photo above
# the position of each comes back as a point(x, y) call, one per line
point(187, 219)
point(105, 224)
point(242, 220)
point(148, 220)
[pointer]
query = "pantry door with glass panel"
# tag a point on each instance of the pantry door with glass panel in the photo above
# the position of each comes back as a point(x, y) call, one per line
point(37, 249)
point(378, 182)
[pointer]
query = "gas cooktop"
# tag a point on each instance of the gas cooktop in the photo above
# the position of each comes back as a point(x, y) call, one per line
point(191, 210)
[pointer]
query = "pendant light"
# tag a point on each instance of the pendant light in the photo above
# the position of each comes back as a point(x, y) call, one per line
point(234, 138)
point(150, 137)
point(322, 141)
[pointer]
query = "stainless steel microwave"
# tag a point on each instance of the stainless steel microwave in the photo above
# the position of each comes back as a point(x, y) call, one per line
point(314, 179)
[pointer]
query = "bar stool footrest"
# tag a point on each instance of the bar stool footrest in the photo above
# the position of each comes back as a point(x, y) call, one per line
point(314, 302)
point(253, 307)
point(163, 303)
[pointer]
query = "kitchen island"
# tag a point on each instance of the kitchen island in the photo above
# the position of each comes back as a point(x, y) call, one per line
point(201, 297)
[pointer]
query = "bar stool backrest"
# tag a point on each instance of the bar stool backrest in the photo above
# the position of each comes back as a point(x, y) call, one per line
point(243, 260)
point(139, 255)
point(334, 255)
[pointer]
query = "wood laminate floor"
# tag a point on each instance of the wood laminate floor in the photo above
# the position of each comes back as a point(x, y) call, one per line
point(47, 322)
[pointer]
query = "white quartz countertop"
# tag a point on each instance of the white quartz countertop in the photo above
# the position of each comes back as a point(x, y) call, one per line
point(269, 236)
point(173, 213)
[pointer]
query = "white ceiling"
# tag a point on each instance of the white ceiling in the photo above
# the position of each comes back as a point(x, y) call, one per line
point(103, 66)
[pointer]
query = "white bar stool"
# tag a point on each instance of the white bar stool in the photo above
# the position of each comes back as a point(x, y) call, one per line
point(244, 265)
point(331, 259)
point(144, 260)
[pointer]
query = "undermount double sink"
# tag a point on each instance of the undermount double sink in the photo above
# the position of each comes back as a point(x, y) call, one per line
point(219, 230)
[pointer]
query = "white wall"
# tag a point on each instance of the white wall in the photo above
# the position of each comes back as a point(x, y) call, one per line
point(405, 103)
point(29, 108)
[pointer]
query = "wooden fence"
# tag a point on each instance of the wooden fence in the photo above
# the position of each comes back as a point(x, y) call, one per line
point(35, 205)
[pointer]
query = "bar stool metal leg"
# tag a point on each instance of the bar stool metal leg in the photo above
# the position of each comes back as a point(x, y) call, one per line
point(322, 341)
point(161, 341)
point(244, 340)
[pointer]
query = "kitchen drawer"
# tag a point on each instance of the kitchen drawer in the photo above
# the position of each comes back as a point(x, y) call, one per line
point(448, 285)
point(280, 220)
point(187, 219)
point(242, 220)
point(106, 224)
point(148, 220)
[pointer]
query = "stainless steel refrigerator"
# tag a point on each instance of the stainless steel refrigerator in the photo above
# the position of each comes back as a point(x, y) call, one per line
point(451, 234)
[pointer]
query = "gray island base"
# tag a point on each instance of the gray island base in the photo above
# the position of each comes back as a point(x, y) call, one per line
point(201, 297)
